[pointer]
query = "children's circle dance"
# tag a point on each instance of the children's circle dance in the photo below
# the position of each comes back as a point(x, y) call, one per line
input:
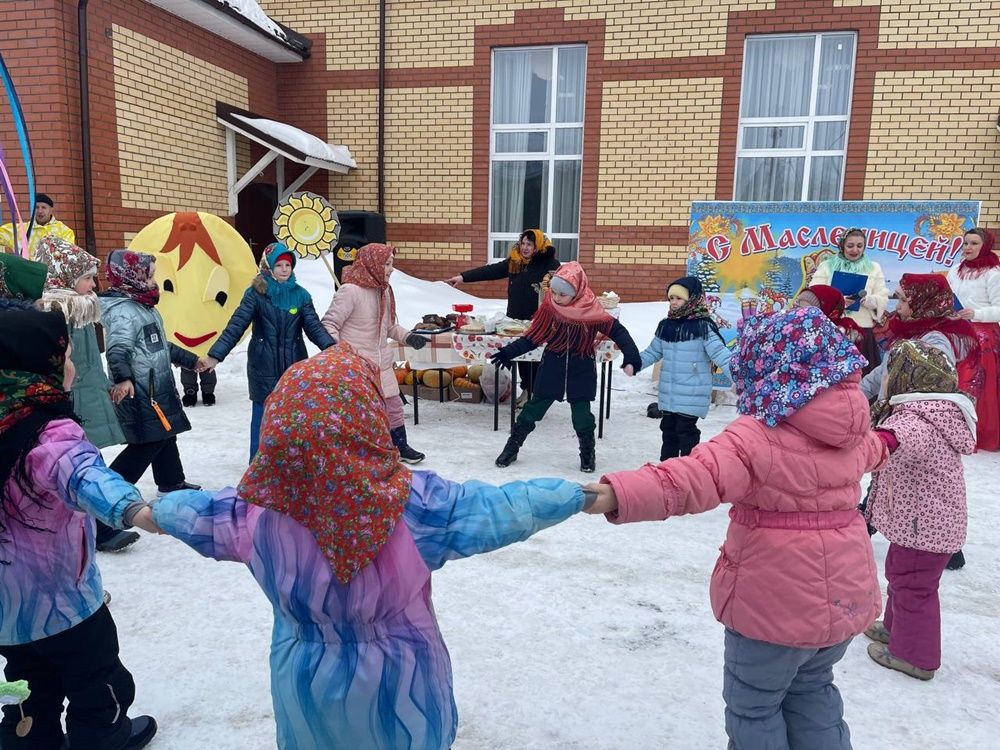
point(342, 537)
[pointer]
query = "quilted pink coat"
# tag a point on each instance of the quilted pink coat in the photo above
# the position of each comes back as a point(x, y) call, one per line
point(353, 318)
point(918, 499)
point(796, 568)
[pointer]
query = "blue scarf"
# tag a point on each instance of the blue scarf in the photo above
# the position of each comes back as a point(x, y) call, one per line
point(286, 295)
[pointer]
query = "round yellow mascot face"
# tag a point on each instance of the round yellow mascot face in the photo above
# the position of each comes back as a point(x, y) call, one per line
point(203, 267)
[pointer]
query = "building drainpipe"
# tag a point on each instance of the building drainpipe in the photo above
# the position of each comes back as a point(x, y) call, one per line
point(88, 185)
point(381, 107)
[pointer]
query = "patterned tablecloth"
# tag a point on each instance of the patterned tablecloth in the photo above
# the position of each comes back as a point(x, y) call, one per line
point(477, 347)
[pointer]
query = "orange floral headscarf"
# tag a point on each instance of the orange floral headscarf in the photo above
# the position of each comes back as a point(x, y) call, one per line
point(327, 461)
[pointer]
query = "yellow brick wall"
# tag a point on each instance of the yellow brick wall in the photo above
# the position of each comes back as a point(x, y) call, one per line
point(428, 155)
point(939, 23)
point(666, 255)
point(659, 142)
point(352, 118)
point(934, 135)
point(438, 250)
point(434, 33)
point(171, 150)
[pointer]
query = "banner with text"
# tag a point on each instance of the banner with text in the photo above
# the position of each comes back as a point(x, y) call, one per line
point(759, 255)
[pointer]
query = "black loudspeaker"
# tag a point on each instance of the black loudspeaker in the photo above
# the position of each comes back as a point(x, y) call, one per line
point(357, 228)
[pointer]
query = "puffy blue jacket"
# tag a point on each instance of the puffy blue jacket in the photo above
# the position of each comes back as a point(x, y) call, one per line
point(686, 376)
point(276, 343)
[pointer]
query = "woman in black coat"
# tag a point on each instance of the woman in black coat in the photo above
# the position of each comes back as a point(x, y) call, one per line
point(526, 266)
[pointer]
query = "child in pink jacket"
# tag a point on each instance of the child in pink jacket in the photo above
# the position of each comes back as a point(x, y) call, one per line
point(918, 502)
point(796, 579)
point(363, 315)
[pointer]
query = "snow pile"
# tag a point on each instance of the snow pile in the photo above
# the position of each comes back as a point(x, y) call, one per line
point(585, 636)
point(251, 10)
point(305, 142)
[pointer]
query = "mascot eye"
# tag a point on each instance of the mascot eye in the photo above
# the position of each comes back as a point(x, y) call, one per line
point(217, 287)
point(168, 285)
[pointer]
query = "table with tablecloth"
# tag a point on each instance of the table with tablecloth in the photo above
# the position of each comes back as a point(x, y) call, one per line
point(446, 350)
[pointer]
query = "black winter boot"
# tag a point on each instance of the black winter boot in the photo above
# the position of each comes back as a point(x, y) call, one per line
point(190, 398)
point(509, 453)
point(588, 452)
point(208, 399)
point(406, 454)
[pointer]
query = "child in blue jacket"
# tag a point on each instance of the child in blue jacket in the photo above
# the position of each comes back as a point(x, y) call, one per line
point(688, 342)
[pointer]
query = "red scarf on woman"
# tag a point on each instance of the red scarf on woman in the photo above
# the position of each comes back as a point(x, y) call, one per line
point(368, 271)
point(932, 308)
point(574, 327)
point(987, 259)
point(326, 458)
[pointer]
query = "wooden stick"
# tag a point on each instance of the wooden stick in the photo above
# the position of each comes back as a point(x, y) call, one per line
point(329, 267)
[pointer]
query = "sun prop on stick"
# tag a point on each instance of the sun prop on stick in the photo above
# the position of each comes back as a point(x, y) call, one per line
point(308, 226)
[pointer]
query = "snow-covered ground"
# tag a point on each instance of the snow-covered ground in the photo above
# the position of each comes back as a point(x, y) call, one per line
point(585, 636)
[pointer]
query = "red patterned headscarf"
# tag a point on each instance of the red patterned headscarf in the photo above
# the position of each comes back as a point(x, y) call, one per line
point(574, 327)
point(326, 458)
point(830, 301)
point(368, 271)
point(932, 308)
point(986, 259)
point(131, 274)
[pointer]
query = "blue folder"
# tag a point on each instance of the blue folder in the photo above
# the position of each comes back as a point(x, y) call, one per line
point(849, 284)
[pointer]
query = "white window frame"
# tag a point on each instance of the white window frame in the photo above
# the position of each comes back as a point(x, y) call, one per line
point(549, 154)
point(809, 121)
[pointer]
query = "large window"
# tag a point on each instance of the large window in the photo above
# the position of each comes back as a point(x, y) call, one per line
point(794, 110)
point(536, 146)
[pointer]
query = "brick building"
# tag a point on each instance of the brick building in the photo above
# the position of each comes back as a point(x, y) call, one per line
point(601, 121)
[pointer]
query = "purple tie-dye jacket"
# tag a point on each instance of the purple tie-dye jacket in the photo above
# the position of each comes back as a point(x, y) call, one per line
point(52, 582)
point(364, 665)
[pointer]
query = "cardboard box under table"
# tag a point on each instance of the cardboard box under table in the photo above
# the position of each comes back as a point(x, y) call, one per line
point(477, 347)
point(438, 354)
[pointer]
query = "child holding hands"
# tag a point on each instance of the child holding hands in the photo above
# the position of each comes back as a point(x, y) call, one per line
point(796, 578)
point(363, 315)
point(342, 539)
point(918, 501)
point(687, 341)
point(570, 323)
point(55, 629)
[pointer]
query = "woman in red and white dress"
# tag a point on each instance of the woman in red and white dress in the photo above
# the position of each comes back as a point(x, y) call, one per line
point(976, 283)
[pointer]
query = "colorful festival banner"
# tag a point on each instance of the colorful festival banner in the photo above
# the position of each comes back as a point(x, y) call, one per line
point(759, 255)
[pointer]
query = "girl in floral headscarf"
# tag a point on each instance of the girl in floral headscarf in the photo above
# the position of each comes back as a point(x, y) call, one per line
point(976, 283)
point(55, 628)
point(363, 314)
point(796, 578)
point(918, 501)
point(70, 288)
point(570, 323)
point(343, 539)
point(139, 360)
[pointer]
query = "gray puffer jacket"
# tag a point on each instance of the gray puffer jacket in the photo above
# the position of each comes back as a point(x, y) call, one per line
point(138, 350)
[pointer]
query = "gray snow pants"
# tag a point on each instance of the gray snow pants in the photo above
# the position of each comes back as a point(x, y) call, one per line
point(781, 697)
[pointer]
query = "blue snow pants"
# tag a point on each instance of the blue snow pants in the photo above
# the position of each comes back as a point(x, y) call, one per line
point(781, 697)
